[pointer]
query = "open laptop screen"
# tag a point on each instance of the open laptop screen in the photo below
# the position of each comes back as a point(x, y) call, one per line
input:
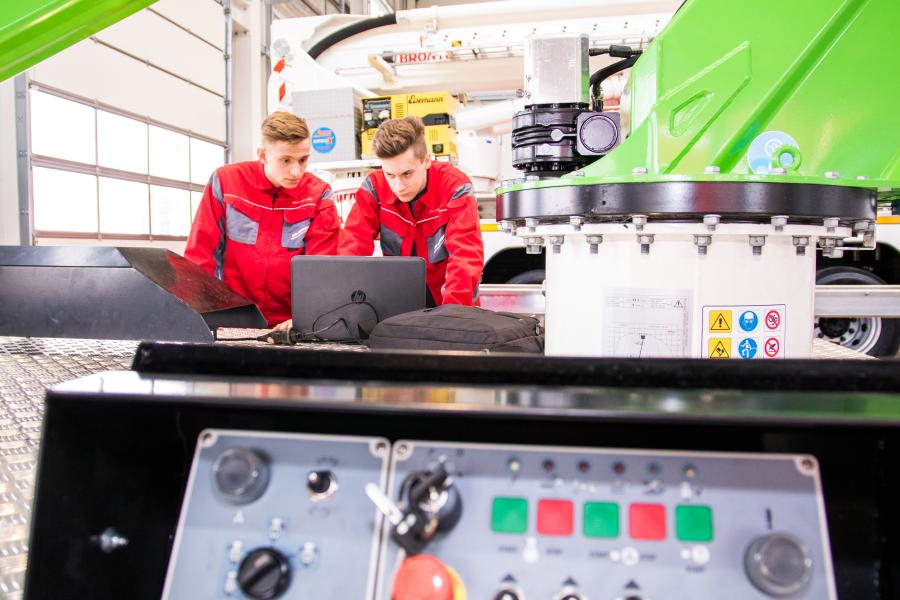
point(342, 298)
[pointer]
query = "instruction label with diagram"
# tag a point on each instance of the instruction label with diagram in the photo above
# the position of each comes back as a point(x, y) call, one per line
point(744, 332)
point(646, 323)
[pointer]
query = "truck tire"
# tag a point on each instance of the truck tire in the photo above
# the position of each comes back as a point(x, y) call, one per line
point(871, 335)
point(532, 276)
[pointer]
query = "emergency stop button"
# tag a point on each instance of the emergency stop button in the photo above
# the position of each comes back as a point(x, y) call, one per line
point(422, 577)
point(647, 521)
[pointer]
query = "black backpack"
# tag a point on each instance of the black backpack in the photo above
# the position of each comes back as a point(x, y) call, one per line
point(455, 327)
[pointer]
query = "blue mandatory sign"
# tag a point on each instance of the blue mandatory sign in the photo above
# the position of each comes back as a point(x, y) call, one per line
point(324, 140)
point(747, 348)
point(748, 320)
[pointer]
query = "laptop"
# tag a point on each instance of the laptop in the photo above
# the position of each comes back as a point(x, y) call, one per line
point(342, 298)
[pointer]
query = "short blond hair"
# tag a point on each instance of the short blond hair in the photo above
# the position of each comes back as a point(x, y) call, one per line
point(284, 127)
point(396, 136)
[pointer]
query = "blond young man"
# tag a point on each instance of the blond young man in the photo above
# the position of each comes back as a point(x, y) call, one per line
point(256, 215)
point(419, 207)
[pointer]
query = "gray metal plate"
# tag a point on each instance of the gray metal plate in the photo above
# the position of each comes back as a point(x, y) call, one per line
point(749, 496)
point(330, 543)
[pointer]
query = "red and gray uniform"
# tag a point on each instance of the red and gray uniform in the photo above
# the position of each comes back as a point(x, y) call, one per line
point(246, 231)
point(444, 230)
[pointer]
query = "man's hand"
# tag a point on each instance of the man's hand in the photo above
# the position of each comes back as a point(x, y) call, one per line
point(286, 326)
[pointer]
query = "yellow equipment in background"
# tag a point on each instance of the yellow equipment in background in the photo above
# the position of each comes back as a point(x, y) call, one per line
point(435, 108)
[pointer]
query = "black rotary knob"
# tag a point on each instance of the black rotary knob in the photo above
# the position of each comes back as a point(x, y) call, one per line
point(778, 565)
point(241, 475)
point(321, 483)
point(507, 594)
point(265, 573)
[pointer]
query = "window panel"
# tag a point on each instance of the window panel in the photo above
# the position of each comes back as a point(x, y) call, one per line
point(170, 210)
point(196, 197)
point(169, 154)
point(75, 203)
point(64, 201)
point(121, 142)
point(205, 158)
point(62, 129)
point(123, 207)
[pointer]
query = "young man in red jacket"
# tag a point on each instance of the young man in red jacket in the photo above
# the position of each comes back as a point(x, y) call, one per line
point(420, 208)
point(256, 215)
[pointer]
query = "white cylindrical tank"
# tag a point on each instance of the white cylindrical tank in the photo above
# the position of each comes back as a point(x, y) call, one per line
point(736, 290)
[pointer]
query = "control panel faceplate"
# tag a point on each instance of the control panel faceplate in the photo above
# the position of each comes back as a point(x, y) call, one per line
point(272, 515)
point(573, 524)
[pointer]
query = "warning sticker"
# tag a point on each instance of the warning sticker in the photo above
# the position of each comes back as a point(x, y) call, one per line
point(720, 347)
point(744, 332)
point(720, 321)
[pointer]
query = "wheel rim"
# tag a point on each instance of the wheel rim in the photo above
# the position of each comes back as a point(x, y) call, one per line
point(857, 333)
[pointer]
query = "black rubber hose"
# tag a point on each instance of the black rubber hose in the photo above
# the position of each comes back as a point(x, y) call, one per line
point(342, 34)
point(598, 77)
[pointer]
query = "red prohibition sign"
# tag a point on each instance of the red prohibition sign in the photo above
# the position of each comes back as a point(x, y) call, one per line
point(772, 347)
point(773, 319)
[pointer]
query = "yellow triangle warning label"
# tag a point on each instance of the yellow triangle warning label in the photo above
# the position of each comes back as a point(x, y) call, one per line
point(720, 347)
point(720, 321)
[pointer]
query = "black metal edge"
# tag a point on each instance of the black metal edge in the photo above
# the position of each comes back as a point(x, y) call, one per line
point(499, 413)
point(730, 199)
point(518, 369)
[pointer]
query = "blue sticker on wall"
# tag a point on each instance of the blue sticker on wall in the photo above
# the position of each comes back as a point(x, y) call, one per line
point(324, 140)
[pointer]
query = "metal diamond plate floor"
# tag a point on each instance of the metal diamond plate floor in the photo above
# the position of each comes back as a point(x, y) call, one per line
point(27, 367)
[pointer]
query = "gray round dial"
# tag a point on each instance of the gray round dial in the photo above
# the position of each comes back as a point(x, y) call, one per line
point(240, 475)
point(778, 564)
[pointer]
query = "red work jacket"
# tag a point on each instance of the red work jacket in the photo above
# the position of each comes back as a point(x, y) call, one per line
point(445, 230)
point(246, 231)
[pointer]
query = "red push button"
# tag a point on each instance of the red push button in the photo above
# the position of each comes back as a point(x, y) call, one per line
point(422, 577)
point(555, 517)
point(647, 521)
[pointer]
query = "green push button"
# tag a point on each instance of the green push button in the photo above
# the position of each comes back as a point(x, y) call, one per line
point(601, 519)
point(509, 515)
point(693, 523)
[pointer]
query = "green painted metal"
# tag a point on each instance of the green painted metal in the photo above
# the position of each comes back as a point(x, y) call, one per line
point(826, 72)
point(32, 30)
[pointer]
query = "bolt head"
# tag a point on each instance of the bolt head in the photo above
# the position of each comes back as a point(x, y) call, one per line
point(712, 170)
point(778, 171)
point(832, 175)
point(639, 171)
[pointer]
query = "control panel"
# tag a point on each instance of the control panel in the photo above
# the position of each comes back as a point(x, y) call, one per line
point(295, 516)
point(271, 515)
point(533, 523)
